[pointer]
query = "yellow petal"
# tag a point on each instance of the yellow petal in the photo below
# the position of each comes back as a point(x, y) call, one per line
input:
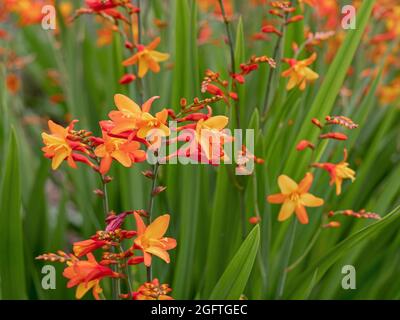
point(143, 132)
point(286, 210)
point(159, 56)
point(58, 158)
point(310, 75)
point(157, 228)
point(161, 253)
point(286, 184)
point(217, 122)
point(338, 182)
point(100, 151)
point(143, 67)
point(124, 103)
point(122, 157)
point(293, 81)
point(310, 200)
point(83, 288)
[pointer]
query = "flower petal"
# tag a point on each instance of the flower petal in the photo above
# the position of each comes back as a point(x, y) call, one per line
point(161, 253)
point(286, 184)
point(306, 183)
point(286, 210)
point(141, 227)
point(124, 103)
point(276, 198)
point(301, 214)
point(157, 228)
point(310, 200)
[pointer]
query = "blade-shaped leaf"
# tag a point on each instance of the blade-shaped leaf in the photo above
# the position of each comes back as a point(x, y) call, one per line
point(12, 273)
point(234, 279)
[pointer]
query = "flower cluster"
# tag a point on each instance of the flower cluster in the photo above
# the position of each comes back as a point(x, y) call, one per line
point(87, 274)
point(295, 197)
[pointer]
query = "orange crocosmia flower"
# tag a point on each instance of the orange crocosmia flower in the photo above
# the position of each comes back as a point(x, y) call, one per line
point(57, 146)
point(153, 291)
point(13, 83)
point(124, 151)
point(147, 58)
point(151, 239)
point(128, 117)
point(295, 198)
point(338, 172)
point(300, 73)
point(86, 274)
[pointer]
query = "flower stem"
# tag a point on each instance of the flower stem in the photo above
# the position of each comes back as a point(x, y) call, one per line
point(229, 35)
point(288, 248)
point(272, 71)
point(115, 285)
point(232, 53)
point(150, 211)
point(128, 279)
point(306, 251)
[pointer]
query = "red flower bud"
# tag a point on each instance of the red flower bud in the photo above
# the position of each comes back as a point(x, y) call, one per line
point(127, 78)
point(334, 135)
point(303, 144)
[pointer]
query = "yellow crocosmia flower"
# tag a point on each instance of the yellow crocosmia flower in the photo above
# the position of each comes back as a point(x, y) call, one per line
point(295, 197)
point(338, 172)
point(147, 58)
point(56, 146)
point(151, 238)
point(299, 73)
point(209, 132)
point(149, 122)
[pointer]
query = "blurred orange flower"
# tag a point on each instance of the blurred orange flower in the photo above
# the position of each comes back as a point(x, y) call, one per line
point(300, 73)
point(295, 198)
point(147, 58)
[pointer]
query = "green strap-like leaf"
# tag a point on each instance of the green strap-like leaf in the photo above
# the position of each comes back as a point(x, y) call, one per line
point(344, 247)
point(233, 281)
point(12, 273)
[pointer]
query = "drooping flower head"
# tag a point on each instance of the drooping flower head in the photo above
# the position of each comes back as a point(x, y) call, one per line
point(338, 172)
point(295, 197)
point(86, 275)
